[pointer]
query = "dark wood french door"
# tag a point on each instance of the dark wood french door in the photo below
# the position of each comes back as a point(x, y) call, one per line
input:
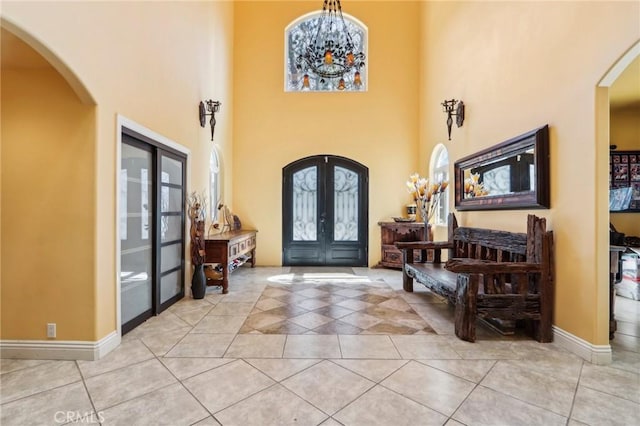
point(325, 212)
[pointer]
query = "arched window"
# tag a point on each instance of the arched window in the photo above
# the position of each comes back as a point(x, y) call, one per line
point(298, 35)
point(439, 166)
point(214, 183)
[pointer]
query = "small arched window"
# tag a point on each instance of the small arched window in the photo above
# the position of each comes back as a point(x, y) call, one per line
point(298, 35)
point(214, 183)
point(439, 166)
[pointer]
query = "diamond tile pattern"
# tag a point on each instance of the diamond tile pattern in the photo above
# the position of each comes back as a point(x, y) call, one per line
point(333, 308)
point(302, 346)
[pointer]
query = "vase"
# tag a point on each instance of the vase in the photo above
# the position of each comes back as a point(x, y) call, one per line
point(198, 282)
point(427, 232)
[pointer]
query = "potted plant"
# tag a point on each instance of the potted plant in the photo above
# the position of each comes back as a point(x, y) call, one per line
point(196, 211)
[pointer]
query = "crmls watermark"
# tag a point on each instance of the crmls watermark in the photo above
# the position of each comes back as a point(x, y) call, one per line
point(87, 417)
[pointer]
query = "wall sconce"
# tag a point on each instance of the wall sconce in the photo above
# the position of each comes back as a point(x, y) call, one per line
point(212, 107)
point(448, 107)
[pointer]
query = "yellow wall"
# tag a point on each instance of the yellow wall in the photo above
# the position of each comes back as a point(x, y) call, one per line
point(151, 62)
point(522, 65)
point(272, 128)
point(625, 133)
point(48, 207)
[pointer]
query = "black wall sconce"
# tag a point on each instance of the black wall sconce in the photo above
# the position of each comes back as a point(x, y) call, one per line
point(212, 107)
point(449, 107)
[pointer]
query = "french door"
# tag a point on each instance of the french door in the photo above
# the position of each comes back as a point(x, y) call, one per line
point(152, 228)
point(325, 212)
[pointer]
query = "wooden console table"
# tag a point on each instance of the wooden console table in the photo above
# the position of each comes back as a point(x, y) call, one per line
point(393, 232)
point(226, 247)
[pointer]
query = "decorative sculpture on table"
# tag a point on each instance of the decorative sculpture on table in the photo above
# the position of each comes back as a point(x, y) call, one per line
point(427, 197)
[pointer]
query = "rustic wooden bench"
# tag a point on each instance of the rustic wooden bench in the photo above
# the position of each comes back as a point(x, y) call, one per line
point(489, 274)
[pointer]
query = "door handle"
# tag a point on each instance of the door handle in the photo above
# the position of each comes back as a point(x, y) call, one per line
point(322, 220)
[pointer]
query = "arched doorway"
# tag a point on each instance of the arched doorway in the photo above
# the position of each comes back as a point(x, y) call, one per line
point(325, 212)
point(605, 100)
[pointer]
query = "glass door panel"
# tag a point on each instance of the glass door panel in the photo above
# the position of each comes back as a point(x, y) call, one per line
point(345, 204)
point(305, 204)
point(172, 194)
point(136, 240)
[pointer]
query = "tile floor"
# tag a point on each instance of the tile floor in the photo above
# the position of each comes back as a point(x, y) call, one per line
point(232, 360)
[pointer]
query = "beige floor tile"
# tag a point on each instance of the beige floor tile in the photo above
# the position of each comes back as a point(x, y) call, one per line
point(168, 321)
point(184, 368)
point(622, 384)
point(626, 360)
point(485, 407)
point(189, 304)
point(209, 421)
point(259, 320)
point(221, 387)
point(361, 320)
point(256, 346)
point(439, 316)
point(483, 349)
point(312, 304)
point(310, 320)
point(130, 352)
point(313, 293)
point(162, 343)
point(42, 377)
point(234, 308)
point(259, 410)
point(171, 405)
point(337, 327)
point(219, 324)
point(598, 408)
point(552, 392)
point(333, 311)
point(202, 345)
point(380, 406)
point(424, 347)
point(328, 386)
point(373, 369)
point(312, 346)
point(354, 305)
point(193, 316)
point(472, 370)
point(121, 385)
point(267, 303)
point(372, 347)
point(331, 422)
point(436, 389)
point(49, 407)
point(280, 369)
point(9, 365)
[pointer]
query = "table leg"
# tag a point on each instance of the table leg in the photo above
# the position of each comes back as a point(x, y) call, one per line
point(253, 257)
point(225, 279)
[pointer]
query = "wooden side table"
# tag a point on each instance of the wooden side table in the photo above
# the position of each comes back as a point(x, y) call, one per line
point(227, 247)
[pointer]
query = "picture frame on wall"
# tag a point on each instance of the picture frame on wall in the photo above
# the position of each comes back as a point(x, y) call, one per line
point(624, 172)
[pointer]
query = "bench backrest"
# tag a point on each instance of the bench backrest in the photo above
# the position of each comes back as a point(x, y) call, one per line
point(499, 246)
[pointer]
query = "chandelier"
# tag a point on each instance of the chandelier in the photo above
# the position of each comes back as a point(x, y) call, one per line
point(331, 54)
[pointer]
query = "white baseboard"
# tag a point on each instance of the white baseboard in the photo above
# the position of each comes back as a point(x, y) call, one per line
point(58, 349)
point(595, 354)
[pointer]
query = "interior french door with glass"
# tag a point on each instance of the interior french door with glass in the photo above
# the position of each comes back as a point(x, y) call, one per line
point(325, 212)
point(152, 228)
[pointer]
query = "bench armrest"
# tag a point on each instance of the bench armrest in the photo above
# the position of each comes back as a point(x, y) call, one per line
point(424, 245)
point(476, 266)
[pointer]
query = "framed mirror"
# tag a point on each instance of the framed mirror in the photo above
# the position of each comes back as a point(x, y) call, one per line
point(510, 175)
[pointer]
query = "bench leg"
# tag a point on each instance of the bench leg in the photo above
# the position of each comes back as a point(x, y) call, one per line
point(407, 281)
point(465, 314)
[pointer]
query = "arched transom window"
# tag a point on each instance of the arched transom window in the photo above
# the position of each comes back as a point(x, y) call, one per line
point(298, 34)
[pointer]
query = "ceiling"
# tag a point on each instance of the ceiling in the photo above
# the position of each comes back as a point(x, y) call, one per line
point(15, 53)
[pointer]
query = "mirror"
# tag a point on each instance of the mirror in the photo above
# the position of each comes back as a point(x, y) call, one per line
point(511, 175)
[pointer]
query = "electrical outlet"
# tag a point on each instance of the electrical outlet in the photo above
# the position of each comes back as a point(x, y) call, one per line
point(51, 329)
